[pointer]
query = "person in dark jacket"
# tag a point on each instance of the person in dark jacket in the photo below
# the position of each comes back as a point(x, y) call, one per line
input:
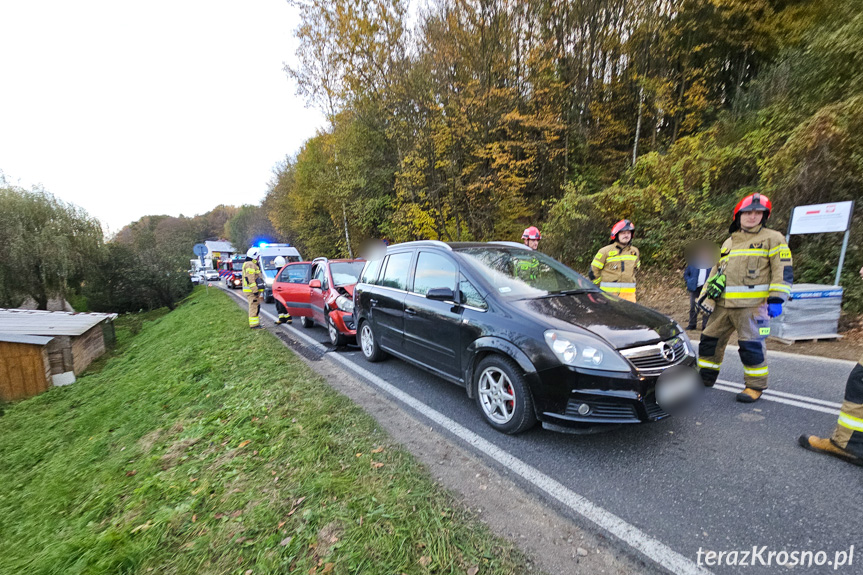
point(695, 275)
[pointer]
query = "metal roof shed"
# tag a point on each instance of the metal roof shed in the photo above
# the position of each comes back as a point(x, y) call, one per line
point(219, 247)
point(78, 338)
point(25, 370)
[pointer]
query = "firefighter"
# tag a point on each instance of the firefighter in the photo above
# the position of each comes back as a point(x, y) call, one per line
point(284, 316)
point(613, 267)
point(528, 268)
point(531, 237)
point(847, 439)
point(252, 278)
point(747, 287)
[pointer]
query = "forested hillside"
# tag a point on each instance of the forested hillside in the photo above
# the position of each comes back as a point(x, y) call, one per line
point(471, 119)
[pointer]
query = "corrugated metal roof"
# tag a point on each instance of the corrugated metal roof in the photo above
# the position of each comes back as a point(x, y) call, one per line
point(29, 339)
point(33, 322)
point(220, 247)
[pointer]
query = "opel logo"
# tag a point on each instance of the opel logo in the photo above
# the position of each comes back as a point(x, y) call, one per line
point(667, 351)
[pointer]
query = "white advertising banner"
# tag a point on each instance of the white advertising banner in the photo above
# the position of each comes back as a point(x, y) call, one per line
point(821, 218)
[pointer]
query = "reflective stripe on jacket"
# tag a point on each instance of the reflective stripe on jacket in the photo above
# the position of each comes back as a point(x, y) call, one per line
point(617, 288)
point(757, 266)
point(251, 272)
point(615, 264)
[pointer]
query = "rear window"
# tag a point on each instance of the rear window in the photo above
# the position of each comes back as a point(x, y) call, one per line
point(396, 272)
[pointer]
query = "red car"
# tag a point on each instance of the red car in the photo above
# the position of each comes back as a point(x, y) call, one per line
point(321, 292)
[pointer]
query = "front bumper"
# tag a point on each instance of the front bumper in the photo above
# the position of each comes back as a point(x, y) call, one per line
point(561, 393)
point(344, 322)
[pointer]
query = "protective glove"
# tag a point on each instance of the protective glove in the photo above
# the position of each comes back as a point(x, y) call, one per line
point(774, 307)
point(707, 306)
point(715, 286)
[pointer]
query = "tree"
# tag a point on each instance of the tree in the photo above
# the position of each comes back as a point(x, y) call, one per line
point(45, 245)
point(249, 226)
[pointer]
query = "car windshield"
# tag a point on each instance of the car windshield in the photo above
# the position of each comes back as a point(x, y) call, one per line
point(346, 273)
point(237, 266)
point(522, 274)
point(268, 263)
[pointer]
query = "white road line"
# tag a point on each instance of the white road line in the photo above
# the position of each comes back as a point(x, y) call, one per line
point(803, 357)
point(737, 388)
point(772, 392)
point(629, 534)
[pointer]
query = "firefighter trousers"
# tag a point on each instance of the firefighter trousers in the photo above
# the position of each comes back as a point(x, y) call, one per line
point(284, 316)
point(849, 430)
point(752, 326)
point(254, 309)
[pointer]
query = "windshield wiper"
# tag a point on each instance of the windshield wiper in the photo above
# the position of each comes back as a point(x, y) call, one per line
point(565, 292)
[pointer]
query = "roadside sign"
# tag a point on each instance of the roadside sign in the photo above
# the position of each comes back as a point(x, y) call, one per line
point(821, 218)
point(200, 251)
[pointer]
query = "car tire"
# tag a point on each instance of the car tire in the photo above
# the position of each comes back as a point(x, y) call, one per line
point(369, 343)
point(307, 322)
point(502, 395)
point(336, 337)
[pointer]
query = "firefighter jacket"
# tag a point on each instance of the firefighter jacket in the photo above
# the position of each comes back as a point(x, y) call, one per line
point(757, 266)
point(613, 268)
point(251, 273)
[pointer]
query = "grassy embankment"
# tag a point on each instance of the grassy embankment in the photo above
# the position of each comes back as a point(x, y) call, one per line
point(203, 447)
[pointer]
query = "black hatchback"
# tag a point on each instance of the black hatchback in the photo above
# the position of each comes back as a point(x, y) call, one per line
point(529, 338)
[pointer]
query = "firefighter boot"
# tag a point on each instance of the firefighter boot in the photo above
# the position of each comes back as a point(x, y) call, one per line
point(822, 445)
point(749, 395)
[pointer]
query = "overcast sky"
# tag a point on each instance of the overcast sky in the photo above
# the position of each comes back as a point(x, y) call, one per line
point(159, 107)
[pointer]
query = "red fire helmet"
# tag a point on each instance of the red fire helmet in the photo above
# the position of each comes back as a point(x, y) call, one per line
point(753, 203)
point(622, 226)
point(531, 233)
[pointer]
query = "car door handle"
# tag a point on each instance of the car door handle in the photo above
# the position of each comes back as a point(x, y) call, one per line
point(373, 301)
point(410, 311)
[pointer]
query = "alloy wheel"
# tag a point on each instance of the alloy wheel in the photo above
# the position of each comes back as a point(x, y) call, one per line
point(367, 340)
point(497, 396)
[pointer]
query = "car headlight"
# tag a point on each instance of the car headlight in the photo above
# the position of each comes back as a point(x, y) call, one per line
point(580, 350)
point(345, 304)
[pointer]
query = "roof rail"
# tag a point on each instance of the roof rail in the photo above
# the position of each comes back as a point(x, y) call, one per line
point(511, 244)
point(436, 243)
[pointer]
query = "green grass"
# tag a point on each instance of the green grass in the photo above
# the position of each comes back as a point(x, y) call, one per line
point(201, 446)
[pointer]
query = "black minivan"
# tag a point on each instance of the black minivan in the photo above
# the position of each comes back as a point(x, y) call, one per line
point(529, 338)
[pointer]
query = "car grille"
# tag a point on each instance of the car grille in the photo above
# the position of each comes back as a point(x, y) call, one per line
point(602, 410)
point(650, 360)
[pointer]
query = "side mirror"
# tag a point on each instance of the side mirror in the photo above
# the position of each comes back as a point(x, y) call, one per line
point(441, 294)
point(315, 284)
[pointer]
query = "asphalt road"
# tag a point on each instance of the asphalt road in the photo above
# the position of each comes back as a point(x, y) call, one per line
point(724, 477)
